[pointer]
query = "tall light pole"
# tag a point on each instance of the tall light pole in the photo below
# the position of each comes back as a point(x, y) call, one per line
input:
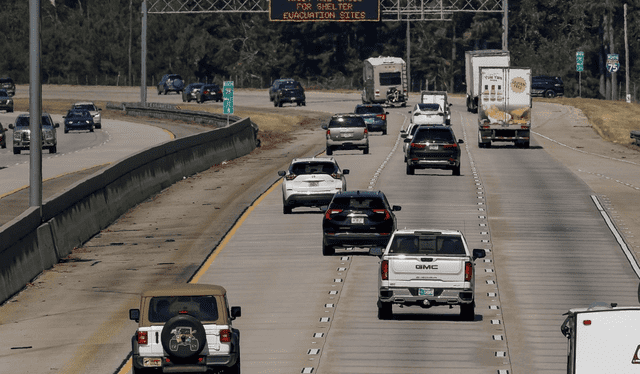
point(35, 106)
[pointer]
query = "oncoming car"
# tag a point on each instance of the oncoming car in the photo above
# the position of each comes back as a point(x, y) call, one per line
point(185, 328)
point(93, 110)
point(78, 119)
point(312, 182)
point(22, 133)
point(6, 102)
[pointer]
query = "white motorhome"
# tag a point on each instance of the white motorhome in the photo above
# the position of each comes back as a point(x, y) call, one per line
point(474, 60)
point(504, 106)
point(603, 339)
point(385, 81)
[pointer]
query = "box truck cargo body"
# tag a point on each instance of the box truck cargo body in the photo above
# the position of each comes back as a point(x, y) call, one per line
point(385, 81)
point(474, 60)
point(504, 106)
point(603, 339)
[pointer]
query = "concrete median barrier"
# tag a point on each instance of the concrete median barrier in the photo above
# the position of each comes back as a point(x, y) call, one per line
point(39, 238)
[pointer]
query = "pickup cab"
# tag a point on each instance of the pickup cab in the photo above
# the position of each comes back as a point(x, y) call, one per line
point(427, 268)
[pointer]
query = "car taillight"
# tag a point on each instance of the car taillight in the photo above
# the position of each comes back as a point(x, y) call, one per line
point(384, 269)
point(468, 271)
point(386, 213)
point(328, 132)
point(206, 92)
point(329, 212)
point(382, 116)
point(225, 336)
point(450, 146)
point(418, 145)
point(334, 175)
point(290, 177)
point(143, 338)
point(366, 131)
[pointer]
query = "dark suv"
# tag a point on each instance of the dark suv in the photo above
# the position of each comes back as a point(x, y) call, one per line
point(433, 147)
point(357, 219)
point(171, 82)
point(374, 116)
point(289, 92)
point(209, 92)
point(8, 84)
point(546, 86)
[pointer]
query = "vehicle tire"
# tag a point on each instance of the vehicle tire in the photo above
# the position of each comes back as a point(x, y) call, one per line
point(99, 126)
point(411, 170)
point(384, 131)
point(550, 94)
point(188, 323)
point(327, 250)
point(467, 311)
point(10, 110)
point(275, 103)
point(165, 91)
point(385, 311)
point(53, 149)
point(329, 151)
point(91, 129)
point(456, 170)
point(286, 209)
point(159, 91)
point(235, 369)
point(280, 104)
point(16, 151)
point(66, 131)
point(365, 151)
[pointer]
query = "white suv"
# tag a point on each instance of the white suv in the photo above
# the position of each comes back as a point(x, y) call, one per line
point(185, 328)
point(311, 181)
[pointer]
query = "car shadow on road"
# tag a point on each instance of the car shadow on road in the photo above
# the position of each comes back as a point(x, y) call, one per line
point(422, 316)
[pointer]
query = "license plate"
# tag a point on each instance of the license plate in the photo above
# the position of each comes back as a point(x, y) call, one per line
point(314, 184)
point(357, 220)
point(425, 291)
point(347, 134)
point(151, 362)
point(433, 147)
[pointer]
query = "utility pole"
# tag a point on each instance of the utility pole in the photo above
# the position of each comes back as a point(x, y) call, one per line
point(505, 25)
point(35, 106)
point(626, 56)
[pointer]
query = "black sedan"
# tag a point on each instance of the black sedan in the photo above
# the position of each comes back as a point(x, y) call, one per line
point(78, 120)
point(209, 92)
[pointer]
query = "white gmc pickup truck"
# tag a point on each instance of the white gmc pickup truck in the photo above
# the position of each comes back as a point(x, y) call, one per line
point(427, 268)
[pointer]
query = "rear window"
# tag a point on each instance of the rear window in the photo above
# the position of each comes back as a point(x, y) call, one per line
point(347, 122)
point(429, 107)
point(435, 135)
point(300, 168)
point(369, 110)
point(291, 85)
point(427, 245)
point(390, 79)
point(204, 308)
point(357, 203)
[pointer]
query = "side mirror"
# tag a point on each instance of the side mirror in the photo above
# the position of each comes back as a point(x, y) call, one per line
point(236, 312)
point(324, 127)
point(11, 126)
point(134, 315)
point(396, 208)
point(56, 125)
point(407, 140)
point(345, 171)
point(282, 173)
point(376, 251)
point(479, 253)
point(386, 112)
point(460, 141)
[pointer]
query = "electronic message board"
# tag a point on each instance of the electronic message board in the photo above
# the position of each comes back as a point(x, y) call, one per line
point(324, 10)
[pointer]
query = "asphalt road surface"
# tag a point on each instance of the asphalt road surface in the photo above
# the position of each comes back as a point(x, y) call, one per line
point(532, 209)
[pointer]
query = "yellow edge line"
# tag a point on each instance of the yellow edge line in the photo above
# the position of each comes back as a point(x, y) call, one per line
point(207, 264)
point(48, 179)
point(209, 261)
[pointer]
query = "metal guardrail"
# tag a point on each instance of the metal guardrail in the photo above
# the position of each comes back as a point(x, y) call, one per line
point(635, 135)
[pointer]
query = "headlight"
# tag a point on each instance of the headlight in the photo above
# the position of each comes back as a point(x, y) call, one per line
point(16, 135)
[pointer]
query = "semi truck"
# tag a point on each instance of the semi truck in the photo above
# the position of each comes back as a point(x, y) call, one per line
point(385, 81)
point(603, 338)
point(474, 60)
point(504, 106)
point(441, 98)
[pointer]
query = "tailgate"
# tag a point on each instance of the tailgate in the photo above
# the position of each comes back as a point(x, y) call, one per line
point(426, 269)
point(313, 183)
point(347, 133)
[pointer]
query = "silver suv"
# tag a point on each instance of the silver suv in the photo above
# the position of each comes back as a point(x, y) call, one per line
point(22, 134)
point(185, 328)
point(347, 131)
point(311, 181)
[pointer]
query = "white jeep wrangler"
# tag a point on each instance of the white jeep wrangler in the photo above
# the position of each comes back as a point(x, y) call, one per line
point(185, 328)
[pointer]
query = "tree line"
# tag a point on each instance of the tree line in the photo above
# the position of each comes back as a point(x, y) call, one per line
point(98, 42)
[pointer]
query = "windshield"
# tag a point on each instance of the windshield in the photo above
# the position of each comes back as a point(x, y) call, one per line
point(85, 107)
point(313, 168)
point(427, 245)
point(77, 114)
point(204, 308)
point(290, 85)
point(23, 121)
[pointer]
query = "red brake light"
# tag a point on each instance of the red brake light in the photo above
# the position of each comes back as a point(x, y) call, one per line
point(450, 146)
point(143, 338)
point(290, 177)
point(382, 116)
point(468, 271)
point(417, 145)
point(384, 269)
point(366, 131)
point(336, 175)
point(225, 336)
point(329, 212)
point(386, 213)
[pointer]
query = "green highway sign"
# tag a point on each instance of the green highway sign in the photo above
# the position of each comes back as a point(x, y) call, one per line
point(227, 97)
point(579, 61)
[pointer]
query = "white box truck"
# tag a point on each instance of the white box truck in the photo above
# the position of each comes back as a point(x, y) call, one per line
point(441, 98)
point(385, 81)
point(603, 339)
point(474, 60)
point(504, 106)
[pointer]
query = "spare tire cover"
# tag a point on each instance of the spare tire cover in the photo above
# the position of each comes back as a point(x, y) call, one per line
point(183, 336)
point(178, 83)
